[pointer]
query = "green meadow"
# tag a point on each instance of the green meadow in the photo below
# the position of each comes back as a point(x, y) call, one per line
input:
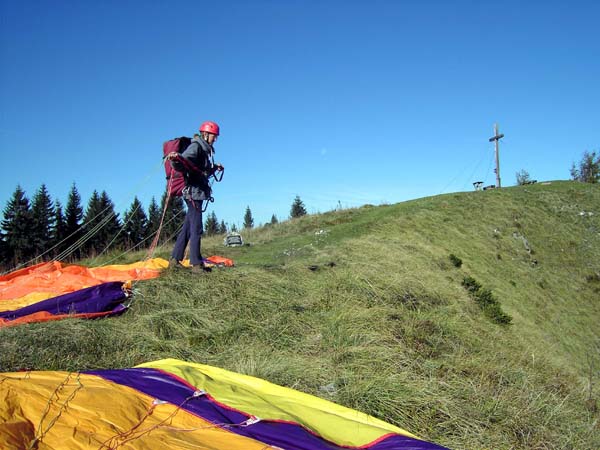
point(469, 319)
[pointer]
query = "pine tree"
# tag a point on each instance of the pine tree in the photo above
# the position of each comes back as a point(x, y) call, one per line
point(60, 228)
point(248, 220)
point(211, 226)
point(110, 233)
point(136, 225)
point(101, 223)
point(174, 217)
point(92, 225)
point(17, 226)
point(298, 208)
point(274, 220)
point(223, 227)
point(588, 170)
point(154, 215)
point(234, 228)
point(3, 255)
point(73, 222)
point(43, 221)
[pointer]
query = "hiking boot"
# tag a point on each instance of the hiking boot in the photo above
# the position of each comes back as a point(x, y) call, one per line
point(200, 268)
point(174, 264)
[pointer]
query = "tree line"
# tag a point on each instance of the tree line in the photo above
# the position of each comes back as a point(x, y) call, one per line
point(42, 229)
point(297, 210)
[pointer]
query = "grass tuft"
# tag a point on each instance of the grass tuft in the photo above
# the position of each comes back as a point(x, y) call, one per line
point(455, 260)
point(486, 300)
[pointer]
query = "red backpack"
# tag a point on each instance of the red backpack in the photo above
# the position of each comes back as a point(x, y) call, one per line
point(175, 179)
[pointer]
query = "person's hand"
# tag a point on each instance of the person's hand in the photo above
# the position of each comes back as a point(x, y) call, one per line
point(219, 167)
point(171, 156)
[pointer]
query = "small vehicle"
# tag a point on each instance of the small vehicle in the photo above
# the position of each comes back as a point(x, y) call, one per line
point(233, 240)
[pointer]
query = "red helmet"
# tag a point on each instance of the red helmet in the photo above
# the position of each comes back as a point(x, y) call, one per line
point(210, 127)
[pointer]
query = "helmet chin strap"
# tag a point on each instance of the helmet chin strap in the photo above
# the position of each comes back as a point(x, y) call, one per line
point(204, 136)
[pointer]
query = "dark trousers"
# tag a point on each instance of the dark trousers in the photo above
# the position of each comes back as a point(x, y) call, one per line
point(191, 232)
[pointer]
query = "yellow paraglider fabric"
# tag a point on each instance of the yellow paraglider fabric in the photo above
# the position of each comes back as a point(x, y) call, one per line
point(62, 410)
point(176, 405)
point(266, 400)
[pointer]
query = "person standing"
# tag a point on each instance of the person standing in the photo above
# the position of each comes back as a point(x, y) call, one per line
point(196, 163)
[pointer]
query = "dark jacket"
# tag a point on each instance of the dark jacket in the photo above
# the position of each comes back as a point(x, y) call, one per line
point(199, 154)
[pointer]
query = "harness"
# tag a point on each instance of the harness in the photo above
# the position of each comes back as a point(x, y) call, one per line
point(215, 174)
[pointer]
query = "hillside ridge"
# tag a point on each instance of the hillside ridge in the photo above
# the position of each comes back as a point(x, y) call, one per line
point(367, 307)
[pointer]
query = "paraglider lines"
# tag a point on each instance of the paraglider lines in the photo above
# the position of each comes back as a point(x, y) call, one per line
point(131, 435)
point(33, 444)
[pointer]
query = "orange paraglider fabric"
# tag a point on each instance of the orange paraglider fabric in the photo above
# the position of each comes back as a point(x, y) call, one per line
point(54, 291)
point(220, 261)
point(42, 281)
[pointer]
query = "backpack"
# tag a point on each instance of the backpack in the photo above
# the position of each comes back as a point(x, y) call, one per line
point(175, 179)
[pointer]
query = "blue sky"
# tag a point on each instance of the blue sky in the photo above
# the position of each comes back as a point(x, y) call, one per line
point(339, 102)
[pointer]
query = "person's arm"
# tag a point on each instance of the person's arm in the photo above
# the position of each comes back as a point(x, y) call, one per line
point(182, 162)
point(174, 159)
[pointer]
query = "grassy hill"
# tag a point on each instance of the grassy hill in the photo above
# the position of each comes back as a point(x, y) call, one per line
point(368, 307)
